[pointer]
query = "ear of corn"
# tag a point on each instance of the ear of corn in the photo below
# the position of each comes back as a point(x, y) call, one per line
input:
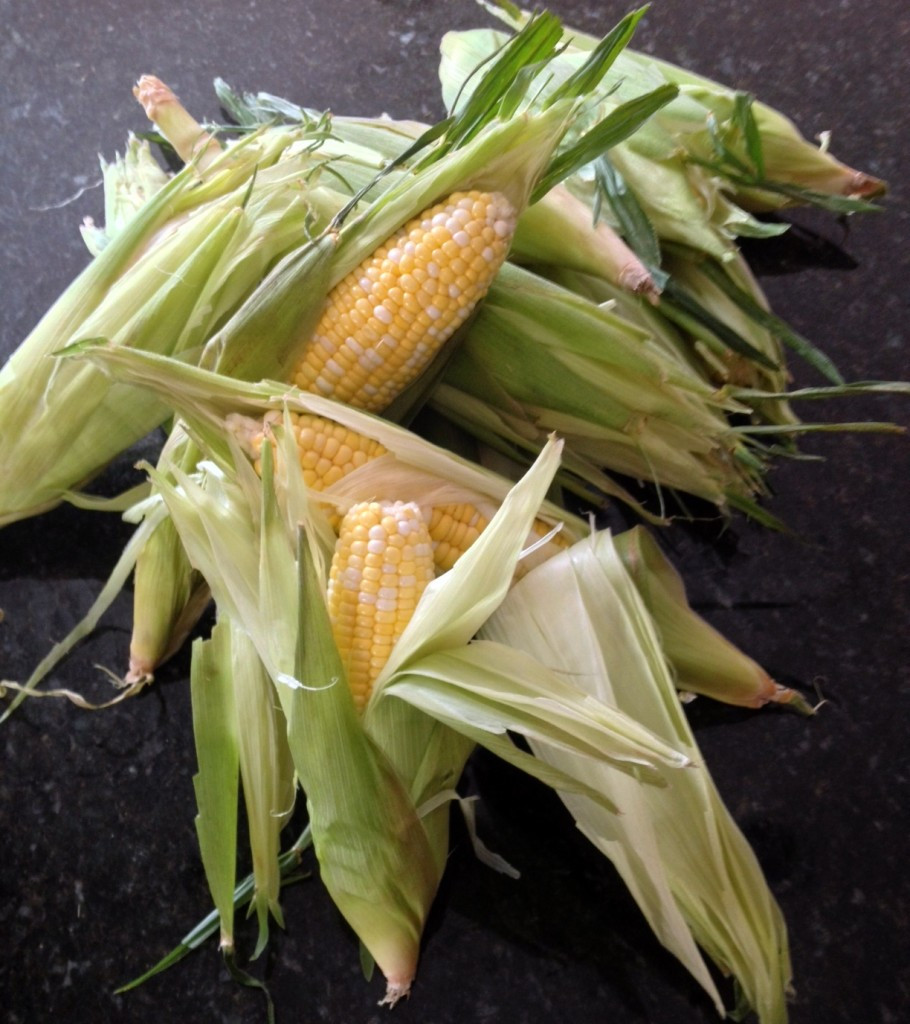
point(703, 661)
point(165, 280)
point(703, 112)
point(365, 775)
point(540, 358)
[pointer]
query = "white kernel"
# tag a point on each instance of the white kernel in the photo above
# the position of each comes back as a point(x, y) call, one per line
point(324, 386)
point(433, 313)
point(353, 345)
point(407, 581)
point(394, 254)
point(433, 269)
point(365, 598)
point(334, 368)
point(385, 605)
point(488, 254)
point(382, 314)
point(366, 284)
point(502, 228)
point(439, 220)
point(454, 291)
point(462, 239)
point(376, 546)
point(388, 593)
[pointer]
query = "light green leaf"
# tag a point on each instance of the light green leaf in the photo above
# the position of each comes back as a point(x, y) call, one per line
point(215, 734)
point(678, 849)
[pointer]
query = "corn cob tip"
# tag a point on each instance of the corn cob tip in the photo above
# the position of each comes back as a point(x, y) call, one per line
point(790, 698)
point(864, 186)
point(636, 278)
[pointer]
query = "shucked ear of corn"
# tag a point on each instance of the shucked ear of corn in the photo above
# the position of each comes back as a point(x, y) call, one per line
point(379, 858)
point(422, 739)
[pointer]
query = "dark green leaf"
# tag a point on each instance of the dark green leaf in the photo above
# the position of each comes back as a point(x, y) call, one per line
point(602, 57)
point(634, 225)
point(674, 296)
point(778, 327)
point(745, 121)
point(537, 42)
point(614, 128)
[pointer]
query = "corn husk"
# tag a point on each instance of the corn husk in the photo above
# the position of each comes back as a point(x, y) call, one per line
point(703, 661)
point(677, 848)
point(773, 164)
point(165, 279)
point(539, 358)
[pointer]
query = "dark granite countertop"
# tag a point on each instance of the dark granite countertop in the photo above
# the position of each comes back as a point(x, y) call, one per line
point(99, 872)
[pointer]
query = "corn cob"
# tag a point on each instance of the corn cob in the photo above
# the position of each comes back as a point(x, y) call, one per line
point(329, 451)
point(382, 563)
point(386, 319)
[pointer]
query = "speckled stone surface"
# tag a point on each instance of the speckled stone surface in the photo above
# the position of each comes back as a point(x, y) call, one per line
point(99, 874)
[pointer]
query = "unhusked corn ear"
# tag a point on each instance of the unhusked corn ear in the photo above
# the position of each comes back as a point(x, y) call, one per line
point(382, 563)
point(385, 321)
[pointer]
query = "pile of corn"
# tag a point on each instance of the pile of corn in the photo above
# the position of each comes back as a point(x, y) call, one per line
point(540, 279)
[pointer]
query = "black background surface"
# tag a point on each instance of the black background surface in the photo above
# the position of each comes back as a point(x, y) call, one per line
point(99, 873)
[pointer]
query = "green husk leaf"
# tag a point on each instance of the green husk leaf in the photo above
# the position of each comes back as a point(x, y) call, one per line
point(677, 848)
point(267, 773)
point(780, 328)
point(602, 57)
point(636, 228)
point(703, 660)
point(607, 133)
point(216, 782)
